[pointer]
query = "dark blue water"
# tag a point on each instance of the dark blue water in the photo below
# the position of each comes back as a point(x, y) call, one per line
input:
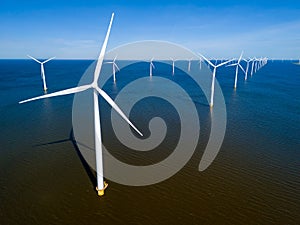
point(254, 179)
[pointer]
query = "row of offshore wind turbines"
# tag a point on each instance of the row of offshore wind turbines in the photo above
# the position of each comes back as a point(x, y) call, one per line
point(256, 64)
point(252, 65)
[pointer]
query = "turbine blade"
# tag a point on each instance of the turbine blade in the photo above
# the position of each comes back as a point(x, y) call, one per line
point(117, 67)
point(116, 107)
point(242, 68)
point(102, 52)
point(58, 93)
point(115, 58)
point(42, 71)
point(34, 59)
point(48, 59)
point(241, 56)
point(232, 64)
point(206, 60)
point(223, 63)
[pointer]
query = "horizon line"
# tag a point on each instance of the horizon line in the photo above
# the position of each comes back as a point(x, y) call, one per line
point(213, 58)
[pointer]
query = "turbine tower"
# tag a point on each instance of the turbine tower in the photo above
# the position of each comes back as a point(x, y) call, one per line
point(42, 70)
point(101, 184)
point(213, 77)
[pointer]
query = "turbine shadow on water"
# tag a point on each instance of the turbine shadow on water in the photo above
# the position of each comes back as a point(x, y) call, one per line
point(90, 172)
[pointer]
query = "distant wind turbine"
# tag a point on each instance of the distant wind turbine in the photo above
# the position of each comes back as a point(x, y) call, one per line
point(151, 67)
point(200, 63)
point(189, 65)
point(238, 65)
point(114, 68)
point(258, 61)
point(247, 67)
point(173, 65)
point(213, 77)
point(253, 65)
point(42, 70)
point(101, 185)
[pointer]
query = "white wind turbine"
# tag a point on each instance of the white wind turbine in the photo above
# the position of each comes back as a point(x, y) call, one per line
point(263, 62)
point(238, 65)
point(200, 63)
point(42, 70)
point(114, 68)
point(189, 65)
point(213, 77)
point(247, 67)
point(253, 65)
point(173, 65)
point(101, 184)
point(257, 65)
point(151, 67)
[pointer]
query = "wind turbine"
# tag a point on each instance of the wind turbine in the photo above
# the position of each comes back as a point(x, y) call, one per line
point(173, 65)
point(42, 70)
point(101, 184)
point(151, 66)
point(213, 77)
point(238, 65)
point(189, 65)
point(257, 65)
point(114, 68)
point(200, 63)
point(253, 64)
point(247, 67)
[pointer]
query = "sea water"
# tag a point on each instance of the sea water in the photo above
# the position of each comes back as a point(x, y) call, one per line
point(254, 179)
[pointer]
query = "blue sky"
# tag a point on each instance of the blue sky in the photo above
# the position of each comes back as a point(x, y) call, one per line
point(76, 29)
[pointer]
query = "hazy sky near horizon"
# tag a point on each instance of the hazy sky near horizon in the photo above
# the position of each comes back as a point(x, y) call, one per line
point(76, 29)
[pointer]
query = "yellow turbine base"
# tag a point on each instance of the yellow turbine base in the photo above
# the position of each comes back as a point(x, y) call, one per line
point(101, 191)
